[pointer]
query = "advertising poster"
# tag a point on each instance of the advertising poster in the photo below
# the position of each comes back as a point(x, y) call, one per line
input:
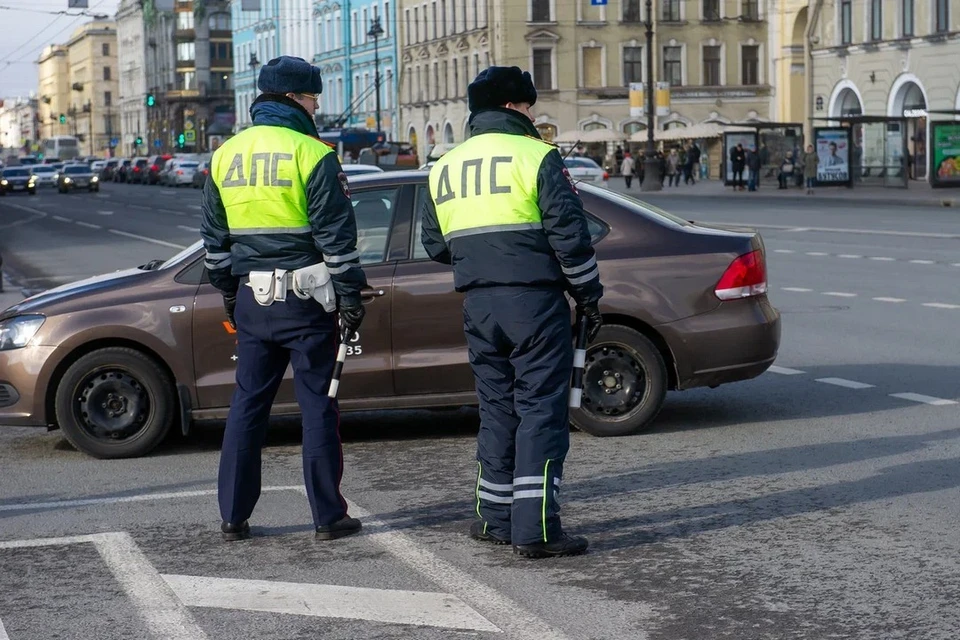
point(945, 154)
point(833, 151)
point(730, 140)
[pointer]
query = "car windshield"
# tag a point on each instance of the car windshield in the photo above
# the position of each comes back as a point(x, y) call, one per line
point(581, 163)
point(633, 205)
point(182, 257)
point(15, 173)
point(44, 168)
point(76, 169)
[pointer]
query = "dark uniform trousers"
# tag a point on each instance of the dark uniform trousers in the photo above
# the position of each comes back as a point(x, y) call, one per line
point(521, 352)
point(301, 333)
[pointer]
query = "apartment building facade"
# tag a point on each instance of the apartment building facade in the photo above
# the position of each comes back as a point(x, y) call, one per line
point(94, 114)
point(131, 67)
point(53, 97)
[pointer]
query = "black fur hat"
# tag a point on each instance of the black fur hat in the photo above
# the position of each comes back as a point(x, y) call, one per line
point(289, 74)
point(496, 86)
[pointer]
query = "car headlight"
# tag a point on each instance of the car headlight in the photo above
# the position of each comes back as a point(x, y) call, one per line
point(56, 177)
point(67, 180)
point(4, 182)
point(16, 332)
point(94, 179)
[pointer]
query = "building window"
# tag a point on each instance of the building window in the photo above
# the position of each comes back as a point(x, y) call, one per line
point(673, 66)
point(409, 33)
point(907, 11)
point(876, 19)
point(106, 48)
point(184, 20)
point(456, 78)
point(846, 21)
point(592, 64)
point(750, 64)
point(711, 66)
point(186, 80)
point(631, 11)
point(543, 68)
point(434, 30)
point(446, 80)
point(943, 16)
point(186, 52)
point(671, 10)
point(220, 22)
point(219, 53)
point(632, 65)
point(711, 10)
point(107, 98)
point(386, 20)
point(540, 10)
point(751, 9)
point(222, 84)
point(106, 73)
point(416, 24)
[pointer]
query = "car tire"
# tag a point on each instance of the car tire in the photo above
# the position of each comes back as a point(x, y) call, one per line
point(126, 392)
point(625, 352)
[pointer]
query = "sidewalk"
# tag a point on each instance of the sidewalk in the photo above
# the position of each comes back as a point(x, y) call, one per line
point(918, 194)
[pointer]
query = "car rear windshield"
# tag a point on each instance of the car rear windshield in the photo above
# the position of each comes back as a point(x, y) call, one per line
point(71, 170)
point(189, 165)
point(15, 173)
point(634, 205)
point(44, 168)
point(581, 163)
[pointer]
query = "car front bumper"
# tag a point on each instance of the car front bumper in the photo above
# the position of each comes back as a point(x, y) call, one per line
point(23, 378)
point(738, 340)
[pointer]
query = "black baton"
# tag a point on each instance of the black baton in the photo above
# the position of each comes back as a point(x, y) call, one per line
point(338, 366)
point(579, 359)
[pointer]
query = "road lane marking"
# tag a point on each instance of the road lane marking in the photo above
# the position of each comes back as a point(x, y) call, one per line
point(817, 253)
point(885, 299)
point(140, 497)
point(105, 213)
point(878, 232)
point(840, 294)
point(38, 215)
point(941, 305)
point(923, 262)
point(501, 610)
point(784, 251)
point(61, 219)
point(194, 206)
point(186, 228)
point(146, 239)
point(164, 615)
point(89, 225)
point(329, 601)
point(3, 632)
point(784, 371)
point(883, 259)
point(848, 255)
point(842, 382)
point(955, 264)
point(797, 289)
point(798, 229)
point(919, 397)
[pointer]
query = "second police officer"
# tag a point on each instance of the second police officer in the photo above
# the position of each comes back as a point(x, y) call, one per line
point(505, 213)
point(280, 238)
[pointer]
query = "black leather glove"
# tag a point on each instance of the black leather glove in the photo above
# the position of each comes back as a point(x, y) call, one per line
point(230, 306)
point(591, 315)
point(351, 313)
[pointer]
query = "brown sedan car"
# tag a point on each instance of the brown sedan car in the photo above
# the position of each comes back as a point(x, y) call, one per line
point(116, 361)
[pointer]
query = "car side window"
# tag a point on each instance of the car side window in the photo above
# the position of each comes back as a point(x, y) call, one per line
point(596, 228)
point(374, 210)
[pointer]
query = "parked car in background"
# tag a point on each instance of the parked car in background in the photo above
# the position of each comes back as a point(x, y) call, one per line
point(180, 172)
point(360, 169)
point(586, 170)
point(201, 174)
point(117, 360)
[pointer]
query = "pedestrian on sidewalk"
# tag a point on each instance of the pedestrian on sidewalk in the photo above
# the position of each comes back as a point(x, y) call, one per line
point(786, 171)
point(738, 160)
point(626, 168)
point(673, 168)
point(753, 166)
point(810, 163)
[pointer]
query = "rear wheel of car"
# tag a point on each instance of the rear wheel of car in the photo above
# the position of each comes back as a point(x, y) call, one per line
point(115, 403)
point(624, 384)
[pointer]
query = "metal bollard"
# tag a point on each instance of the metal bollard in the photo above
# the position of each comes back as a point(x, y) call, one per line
point(579, 360)
point(338, 367)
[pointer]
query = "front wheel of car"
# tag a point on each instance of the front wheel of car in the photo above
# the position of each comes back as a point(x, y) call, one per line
point(624, 384)
point(115, 403)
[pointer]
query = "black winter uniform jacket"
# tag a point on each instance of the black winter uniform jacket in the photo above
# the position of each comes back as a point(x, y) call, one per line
point(559, 254)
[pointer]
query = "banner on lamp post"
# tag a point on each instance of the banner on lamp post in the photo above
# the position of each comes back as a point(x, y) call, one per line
point(663, 98)
point(637, 107)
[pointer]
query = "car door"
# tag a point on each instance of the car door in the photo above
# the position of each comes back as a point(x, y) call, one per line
point(367, 370)
point(430, 350)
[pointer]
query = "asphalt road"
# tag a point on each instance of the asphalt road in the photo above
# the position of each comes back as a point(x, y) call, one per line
point(817, 501)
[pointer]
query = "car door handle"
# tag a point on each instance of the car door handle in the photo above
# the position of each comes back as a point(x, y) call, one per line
point(369, 294)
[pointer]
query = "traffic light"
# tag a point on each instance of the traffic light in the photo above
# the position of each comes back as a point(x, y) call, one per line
point(151, 100)
point(139, 141)
point(181, 139)
point(63, 119)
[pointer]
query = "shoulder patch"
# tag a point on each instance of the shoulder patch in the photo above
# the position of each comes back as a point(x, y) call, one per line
point(573, 184)
point(344, 185)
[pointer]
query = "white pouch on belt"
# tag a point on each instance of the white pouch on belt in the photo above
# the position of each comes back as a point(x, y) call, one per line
point(314, 281)
point(262, 284)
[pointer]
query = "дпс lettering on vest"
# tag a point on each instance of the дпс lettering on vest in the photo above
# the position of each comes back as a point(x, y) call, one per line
point(270, 163)
point(445, 191)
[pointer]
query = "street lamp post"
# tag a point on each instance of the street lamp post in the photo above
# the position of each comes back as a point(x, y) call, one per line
point(375, 33)
point(651, 166)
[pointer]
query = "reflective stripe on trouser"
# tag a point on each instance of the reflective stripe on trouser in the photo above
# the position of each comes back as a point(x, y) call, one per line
point(521, 352)
point(300, 333)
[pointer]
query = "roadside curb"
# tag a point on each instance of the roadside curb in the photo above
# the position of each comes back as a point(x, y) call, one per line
point(946, 202)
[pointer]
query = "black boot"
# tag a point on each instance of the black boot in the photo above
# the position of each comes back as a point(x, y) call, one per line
point(234, 532)
point(343, 527)
point(565, 545)
point(478, 532)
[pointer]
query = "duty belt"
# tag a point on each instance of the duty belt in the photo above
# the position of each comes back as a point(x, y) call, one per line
point(309, 282)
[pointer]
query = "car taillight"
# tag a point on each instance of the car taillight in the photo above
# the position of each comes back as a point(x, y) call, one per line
point(179, 172)
point(606, 176)
point(206, 171)
point(745, 277)
point(136, 169)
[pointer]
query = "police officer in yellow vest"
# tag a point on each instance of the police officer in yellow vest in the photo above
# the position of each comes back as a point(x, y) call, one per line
point(281, 245)
point(505, 213)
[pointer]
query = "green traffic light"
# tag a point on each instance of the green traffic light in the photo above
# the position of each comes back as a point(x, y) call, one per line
point(63, 119)
point(151, 100)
